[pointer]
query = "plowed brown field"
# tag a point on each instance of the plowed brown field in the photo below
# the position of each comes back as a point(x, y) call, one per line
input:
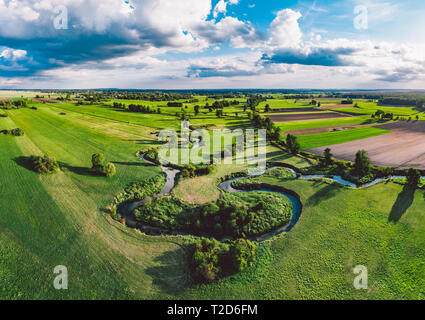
point(404, 147)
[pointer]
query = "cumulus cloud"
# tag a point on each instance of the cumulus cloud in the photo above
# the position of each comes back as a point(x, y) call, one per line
point(111, 29)
point(285, 30)
point(386, 61)
point(221, 7)
point(129, 36)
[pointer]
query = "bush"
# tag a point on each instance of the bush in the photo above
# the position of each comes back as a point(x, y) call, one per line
point(18, 132)
point(211, 259)
point(3, 115)
point(44, 164)
point(14, 132)
point(242, 254)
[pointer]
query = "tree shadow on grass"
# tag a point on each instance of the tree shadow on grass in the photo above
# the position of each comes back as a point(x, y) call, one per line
point(329, 191)
point(403, 202)
point(172, 274)
point(148, 142)
point(83, 171)
point(23, 162)
point(135, 164)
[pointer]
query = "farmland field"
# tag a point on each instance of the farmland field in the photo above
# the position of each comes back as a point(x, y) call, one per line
point(403, 147)
point(306, 116)
point(61, 219)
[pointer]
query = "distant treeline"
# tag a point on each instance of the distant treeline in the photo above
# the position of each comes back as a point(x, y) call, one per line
point(13, 104)
point(147, 96)
point(394, 101)
point(136, 108)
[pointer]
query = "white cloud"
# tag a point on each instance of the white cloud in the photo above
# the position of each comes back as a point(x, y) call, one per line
point(221, 7)
point(285, 30)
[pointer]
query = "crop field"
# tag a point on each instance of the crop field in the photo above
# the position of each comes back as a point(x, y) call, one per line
point(61, 219)
point(331, 138)
point(403, 147)
point(306, 116)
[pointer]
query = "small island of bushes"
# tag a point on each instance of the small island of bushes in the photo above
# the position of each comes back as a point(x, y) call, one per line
point(235, 215)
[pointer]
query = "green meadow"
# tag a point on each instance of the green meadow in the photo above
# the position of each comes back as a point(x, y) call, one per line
point(311, 141)
point(60, 219)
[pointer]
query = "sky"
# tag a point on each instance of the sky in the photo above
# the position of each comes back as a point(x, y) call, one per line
point(212, 44)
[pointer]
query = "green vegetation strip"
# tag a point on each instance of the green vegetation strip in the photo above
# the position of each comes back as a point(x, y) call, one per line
point(330, 138)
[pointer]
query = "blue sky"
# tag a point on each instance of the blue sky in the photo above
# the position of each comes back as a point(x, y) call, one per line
point(212, 44)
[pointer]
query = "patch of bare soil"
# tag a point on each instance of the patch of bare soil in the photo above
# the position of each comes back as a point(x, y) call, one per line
point(288, 110)
point(306, 116)
point(337, 106)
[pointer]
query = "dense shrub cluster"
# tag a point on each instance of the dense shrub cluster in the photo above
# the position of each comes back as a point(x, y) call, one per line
point(136, 192)
point(234, 215)
point(99, 167)
point(17, 132)
point(44, 164)
point(212, 260)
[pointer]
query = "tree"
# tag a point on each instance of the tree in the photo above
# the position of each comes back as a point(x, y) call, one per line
point(328, 157)
point(293, 144)
point(97, 160)
point(413, 177)
point(267, 108)
point(99, 167)
point(109, 169)
point(362, 163)
point(44, 164)
point(275, 136)
point(196, 110)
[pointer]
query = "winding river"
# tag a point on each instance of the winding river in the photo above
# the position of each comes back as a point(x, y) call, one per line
point(227, 186)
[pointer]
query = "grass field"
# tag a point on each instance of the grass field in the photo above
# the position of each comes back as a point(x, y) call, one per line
point(338, 230)
point(329, 138)
point(50, 220)
point(58, 219)
point(297, 125)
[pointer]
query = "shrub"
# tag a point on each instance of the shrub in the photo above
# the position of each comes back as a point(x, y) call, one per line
point(18, 132)
point(242, 254)
point(14, 132)
point(211, 259)
point(44, 164)
point(3, 115)
point(205, 260)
